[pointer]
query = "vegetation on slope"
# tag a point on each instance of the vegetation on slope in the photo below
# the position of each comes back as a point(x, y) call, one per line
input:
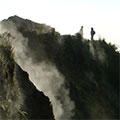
point(93, 77)
point(19, 99)
point(90, 68)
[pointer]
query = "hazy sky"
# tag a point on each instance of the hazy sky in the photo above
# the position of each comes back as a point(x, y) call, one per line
point(67, 16)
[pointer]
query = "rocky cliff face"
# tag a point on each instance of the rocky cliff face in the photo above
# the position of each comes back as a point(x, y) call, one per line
point(80, 77)
point(19, 98)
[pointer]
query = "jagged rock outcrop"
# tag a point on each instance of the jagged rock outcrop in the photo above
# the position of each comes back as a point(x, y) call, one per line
point(19, 98)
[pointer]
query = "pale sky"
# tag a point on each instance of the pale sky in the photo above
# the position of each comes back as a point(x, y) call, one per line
point(67, 16)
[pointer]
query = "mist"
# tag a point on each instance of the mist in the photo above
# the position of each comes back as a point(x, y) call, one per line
point(43, 73)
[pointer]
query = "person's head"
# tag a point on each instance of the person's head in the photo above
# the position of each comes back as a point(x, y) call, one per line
point(91, 28)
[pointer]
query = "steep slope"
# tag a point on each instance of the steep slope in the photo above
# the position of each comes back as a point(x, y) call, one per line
point(19, 98)
point(35, 53)
point(81, 77)
point(92, 70)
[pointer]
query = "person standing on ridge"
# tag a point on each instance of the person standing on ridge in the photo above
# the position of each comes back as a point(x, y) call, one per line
point(81, 31)
point(92, 33)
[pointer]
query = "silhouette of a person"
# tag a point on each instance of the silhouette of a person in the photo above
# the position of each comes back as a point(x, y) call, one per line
point(81, 31)
point(92, 33)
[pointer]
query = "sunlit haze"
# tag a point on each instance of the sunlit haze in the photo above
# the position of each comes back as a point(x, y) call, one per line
point(67, 16)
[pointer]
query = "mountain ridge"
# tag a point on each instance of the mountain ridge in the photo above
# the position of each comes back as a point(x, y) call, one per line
point(81, 77)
